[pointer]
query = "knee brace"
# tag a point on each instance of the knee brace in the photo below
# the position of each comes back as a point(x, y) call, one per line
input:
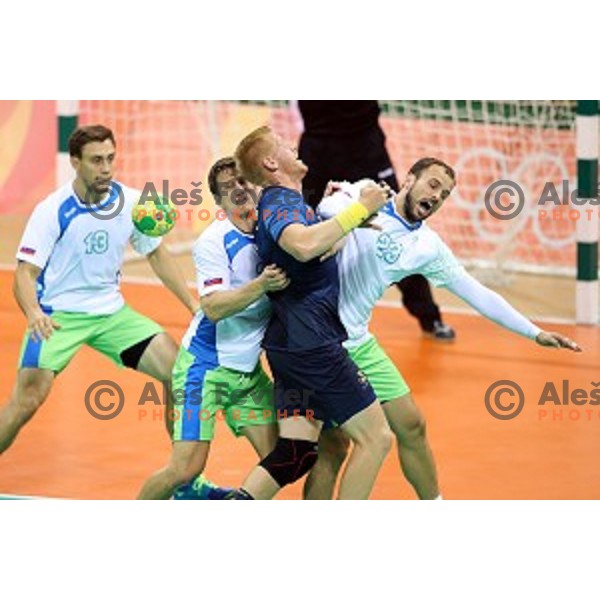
point(290, 460)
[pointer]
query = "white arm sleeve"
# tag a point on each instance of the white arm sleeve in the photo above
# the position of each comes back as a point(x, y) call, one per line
point(492, 305)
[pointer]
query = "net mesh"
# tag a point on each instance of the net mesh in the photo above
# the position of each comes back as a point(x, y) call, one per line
point(529, 142)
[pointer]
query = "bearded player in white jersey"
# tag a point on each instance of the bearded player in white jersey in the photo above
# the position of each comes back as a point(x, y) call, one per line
point(67, 282)
point(401, 244)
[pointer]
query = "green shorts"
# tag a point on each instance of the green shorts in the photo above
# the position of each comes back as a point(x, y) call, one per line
point(380, 370)
point(203, 392)
point(109, 334)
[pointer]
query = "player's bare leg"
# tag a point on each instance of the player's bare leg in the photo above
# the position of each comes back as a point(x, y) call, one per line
point(159, 357)
point(414, 453)
point(416, 459)
point(157, 361)
point(333, 450)
point(188, 460)
point(29, 393)
point(262, 437)
point(259, 484)
point(372, 441)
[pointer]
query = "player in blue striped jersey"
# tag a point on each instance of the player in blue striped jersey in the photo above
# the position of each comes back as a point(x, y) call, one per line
point(218, 370)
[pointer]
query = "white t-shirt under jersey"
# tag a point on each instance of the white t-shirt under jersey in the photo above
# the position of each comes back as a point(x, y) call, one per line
point(80, 255)
point(372, 260)
point(227, 258)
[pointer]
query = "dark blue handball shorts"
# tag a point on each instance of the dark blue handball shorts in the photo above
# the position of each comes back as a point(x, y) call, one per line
point(322, 383)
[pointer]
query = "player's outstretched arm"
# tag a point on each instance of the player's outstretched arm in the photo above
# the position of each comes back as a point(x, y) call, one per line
point(307, 242)
point(170, 274)
point(39, 324)
point(496, 308)
point(222, 304)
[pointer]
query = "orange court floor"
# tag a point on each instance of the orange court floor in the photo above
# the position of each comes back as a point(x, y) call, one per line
point(549, 451)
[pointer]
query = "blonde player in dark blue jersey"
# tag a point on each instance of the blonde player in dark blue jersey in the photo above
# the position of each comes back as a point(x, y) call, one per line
point(314, 376)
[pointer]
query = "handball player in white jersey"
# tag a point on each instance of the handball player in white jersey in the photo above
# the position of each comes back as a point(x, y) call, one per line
point(218, 368)
point(401, 244)
point(67, 282)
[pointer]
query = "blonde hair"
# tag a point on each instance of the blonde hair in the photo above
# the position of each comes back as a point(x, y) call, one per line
point(250, 153)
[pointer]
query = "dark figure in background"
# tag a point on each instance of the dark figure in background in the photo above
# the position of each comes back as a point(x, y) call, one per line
point(342, 140)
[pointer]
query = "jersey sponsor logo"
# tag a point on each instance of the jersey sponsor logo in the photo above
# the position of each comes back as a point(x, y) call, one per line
point(27, 250)
point(213, 281)
point(387, 249)
point(232, 243)
point(70, 212)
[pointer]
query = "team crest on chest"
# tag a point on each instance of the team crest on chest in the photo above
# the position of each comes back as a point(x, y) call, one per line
point(387, 249)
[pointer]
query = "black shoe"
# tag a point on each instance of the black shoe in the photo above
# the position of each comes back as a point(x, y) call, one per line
point(440, 332)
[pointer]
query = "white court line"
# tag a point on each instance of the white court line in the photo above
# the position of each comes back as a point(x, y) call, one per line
point(141, 280)
point(15, 497)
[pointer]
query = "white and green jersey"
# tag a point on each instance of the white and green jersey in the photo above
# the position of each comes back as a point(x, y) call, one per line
point(80, 254)
point(226, 258)
point(372, 260)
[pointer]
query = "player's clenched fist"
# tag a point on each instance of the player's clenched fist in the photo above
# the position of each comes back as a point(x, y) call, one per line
point(374, 196)
point(41, 326)
point(273, 279)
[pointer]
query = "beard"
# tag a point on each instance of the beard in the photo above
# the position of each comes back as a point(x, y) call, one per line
point(417, 210)
point(409, 210)
point(96, 192)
